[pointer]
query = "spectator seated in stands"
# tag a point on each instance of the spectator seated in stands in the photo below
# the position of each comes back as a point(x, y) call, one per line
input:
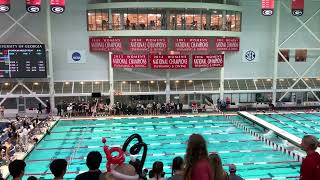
point(58, 168)
point(177, 169)
point(157, 171)
point(216, 166)
point(16, 169)
point(94, 160)
point(9, 151)
point(232, 171)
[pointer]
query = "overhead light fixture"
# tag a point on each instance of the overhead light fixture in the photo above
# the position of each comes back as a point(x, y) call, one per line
point(96, 82)
point(306, 79)
point(268, 79)
point(138, 82)
point(294, 79)
point(6, 84)
point(81, 82)
point(66, 83)
point(36, 84)
point(151, 82)
point(177, 81)
point(190, 81)
point(123, 82)
point(165, 81)
point(281, 79)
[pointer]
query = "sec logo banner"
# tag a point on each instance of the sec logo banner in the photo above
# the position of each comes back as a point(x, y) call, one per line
point(250, 56)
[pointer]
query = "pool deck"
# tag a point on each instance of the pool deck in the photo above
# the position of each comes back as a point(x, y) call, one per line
point(22, 155)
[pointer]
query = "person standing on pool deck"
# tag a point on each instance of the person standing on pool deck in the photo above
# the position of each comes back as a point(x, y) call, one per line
point(94, 160)
point(310, 168)
point(196, 159)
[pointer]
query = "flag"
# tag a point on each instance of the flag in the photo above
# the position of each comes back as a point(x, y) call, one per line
point(4, 6)
point(57, 6)
point(297, 7)
point(33, 6)
point(267, 7)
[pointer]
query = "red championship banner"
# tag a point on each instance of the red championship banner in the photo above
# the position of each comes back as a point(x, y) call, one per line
point(57, 6)
point(207, 61)
point(129, 61)
point(191, 44)
point(4, 6)
point(297, 7)
point(227, 44)
point(33, 6)
point(148, 44)
point(104, 44)
point(169, 61)
point(267, 7)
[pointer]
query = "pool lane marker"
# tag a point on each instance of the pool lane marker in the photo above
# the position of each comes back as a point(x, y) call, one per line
point(314, 122)
point(299, 157)
point(160, 135)
point(133, 129)
point(183, 153)
point(154, 144)
point(301, 123)
point(286, 124)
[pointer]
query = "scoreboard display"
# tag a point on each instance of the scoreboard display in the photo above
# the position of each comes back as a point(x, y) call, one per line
point(23, 61)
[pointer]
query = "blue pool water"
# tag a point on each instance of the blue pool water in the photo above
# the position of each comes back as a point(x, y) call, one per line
point(166, 138)
point(297, 124)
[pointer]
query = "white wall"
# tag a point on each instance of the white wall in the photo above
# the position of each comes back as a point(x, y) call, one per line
point(69, 31)
point(257, 33)
point(302, 39)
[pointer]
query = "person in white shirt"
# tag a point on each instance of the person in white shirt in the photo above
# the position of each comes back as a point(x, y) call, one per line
point(24, 138)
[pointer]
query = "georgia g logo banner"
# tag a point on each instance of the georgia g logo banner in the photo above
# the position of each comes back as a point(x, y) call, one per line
point(33, 6)
point(250, 56)
point(267, 7)
point(4, 6)
point(297, 7)
point(57, 6)
point(77, 56)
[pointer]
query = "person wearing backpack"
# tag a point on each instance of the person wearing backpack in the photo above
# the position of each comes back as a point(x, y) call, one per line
point(310, 168)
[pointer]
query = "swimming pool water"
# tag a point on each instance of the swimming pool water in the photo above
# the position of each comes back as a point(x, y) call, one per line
point(166, 138)
point(297, 124)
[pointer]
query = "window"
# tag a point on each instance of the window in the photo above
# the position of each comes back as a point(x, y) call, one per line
point(238, 22)
point(285, 54)
point(97, 20)
point(216, 20)
point(164, 19)
point(91, 20)
point(301, 55)
point(231, 21)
